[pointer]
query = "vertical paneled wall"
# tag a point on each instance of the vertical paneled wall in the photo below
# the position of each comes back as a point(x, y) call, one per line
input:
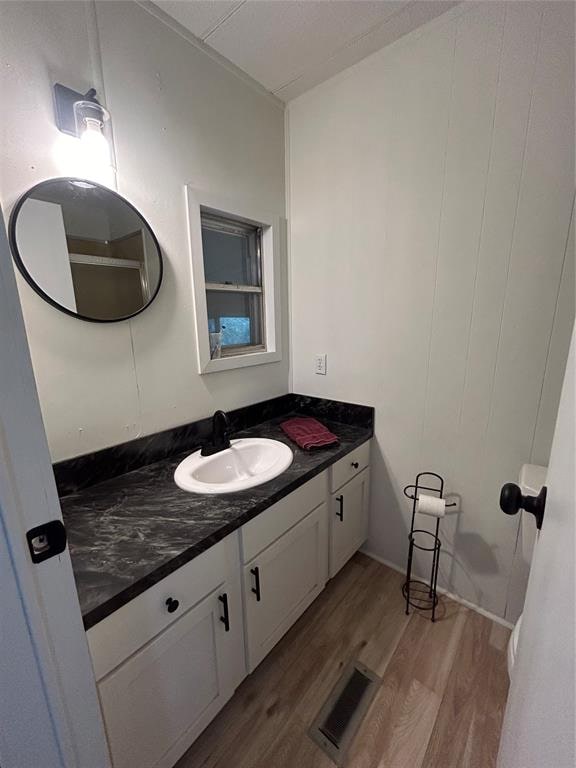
point(431, 195)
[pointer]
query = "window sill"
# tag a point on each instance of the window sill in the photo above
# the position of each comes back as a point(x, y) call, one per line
point(240, 361)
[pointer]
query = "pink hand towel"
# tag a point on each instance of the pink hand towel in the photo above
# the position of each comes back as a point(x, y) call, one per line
point(308, 433)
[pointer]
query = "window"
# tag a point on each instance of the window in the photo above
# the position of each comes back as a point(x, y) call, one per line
point(236, 279)
point(232, 252)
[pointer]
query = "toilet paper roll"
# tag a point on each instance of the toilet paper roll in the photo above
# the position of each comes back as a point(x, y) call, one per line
point(431, 505)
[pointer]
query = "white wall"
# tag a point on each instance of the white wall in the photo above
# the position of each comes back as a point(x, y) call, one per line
point(178, 118)
point(431, 189)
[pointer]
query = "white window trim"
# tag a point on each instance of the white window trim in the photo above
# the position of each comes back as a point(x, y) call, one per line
point(196, 200)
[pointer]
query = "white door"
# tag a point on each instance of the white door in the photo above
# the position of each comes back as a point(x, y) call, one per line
point(539, 725)
point(348, 520)
point(159, 701)
point(49, 711)
point(282, 581)
point(41, 235)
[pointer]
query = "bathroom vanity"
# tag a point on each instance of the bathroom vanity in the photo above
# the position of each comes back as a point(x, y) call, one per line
point(183, 595)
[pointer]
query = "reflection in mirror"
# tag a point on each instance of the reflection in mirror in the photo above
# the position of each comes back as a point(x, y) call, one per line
point(86, 250)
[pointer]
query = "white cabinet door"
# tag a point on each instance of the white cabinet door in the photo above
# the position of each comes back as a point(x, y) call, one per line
point(348, 520)
point(158, 701)
point(282, 581)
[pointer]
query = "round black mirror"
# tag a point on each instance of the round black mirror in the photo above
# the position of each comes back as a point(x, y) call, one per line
point(86, 250)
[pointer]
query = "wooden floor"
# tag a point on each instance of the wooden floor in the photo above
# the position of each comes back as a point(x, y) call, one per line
point(440, 704)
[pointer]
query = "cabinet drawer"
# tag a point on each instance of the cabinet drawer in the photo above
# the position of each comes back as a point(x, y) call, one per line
point(350, 465)
point(126, 630)
point(260, 532)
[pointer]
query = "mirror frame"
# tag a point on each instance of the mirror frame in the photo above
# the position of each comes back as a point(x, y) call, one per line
point(30, 280)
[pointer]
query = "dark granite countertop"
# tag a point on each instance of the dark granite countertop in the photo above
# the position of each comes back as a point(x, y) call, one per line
point(129, 532)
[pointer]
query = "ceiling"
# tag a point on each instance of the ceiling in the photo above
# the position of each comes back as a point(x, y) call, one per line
point(289, 46)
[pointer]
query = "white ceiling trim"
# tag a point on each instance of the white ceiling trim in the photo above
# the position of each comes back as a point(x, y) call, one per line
point(221, 21)
point(181, 30)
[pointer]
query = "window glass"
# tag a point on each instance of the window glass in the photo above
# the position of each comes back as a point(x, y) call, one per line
point(234, 298)
point(230, 252)
point(236, 316)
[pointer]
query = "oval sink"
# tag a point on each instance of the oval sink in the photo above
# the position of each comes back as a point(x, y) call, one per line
point(247, 463)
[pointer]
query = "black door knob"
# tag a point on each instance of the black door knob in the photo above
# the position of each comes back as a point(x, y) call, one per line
point(512, 500)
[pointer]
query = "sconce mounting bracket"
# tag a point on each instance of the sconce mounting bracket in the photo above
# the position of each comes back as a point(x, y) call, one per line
point(64, 100)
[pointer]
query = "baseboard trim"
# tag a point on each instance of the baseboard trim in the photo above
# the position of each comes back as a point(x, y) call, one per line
point(451, 595)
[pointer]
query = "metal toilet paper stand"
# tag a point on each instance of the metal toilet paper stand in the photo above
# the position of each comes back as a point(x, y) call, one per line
point(417, 593)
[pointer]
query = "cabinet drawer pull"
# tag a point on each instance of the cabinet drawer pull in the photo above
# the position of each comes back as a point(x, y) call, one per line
point(226, 618)
point(172, 605)
point(355, 464)
point(340, 512)
point(256, 588)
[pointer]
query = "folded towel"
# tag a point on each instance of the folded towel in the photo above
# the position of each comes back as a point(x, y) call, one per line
point(308, 433)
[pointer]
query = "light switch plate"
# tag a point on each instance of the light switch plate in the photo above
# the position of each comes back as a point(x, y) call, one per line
point(320, 364)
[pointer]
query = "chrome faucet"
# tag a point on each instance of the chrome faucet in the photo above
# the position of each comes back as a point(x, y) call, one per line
point(220, 435)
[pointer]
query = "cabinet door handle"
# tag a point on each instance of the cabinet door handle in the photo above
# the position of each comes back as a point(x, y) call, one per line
point(226, 618)
point(172, 605)
point(256, 588)
point(355, 464)
point(340, 512)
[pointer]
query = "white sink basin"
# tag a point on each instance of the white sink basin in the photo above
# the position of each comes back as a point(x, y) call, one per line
point(248, 462)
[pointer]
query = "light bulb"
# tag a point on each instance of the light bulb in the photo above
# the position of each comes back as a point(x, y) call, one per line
point(95, 142)
point(94, 145)
point(84, 149)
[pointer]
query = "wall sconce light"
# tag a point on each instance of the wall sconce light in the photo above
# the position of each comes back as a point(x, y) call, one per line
point(82, 116)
